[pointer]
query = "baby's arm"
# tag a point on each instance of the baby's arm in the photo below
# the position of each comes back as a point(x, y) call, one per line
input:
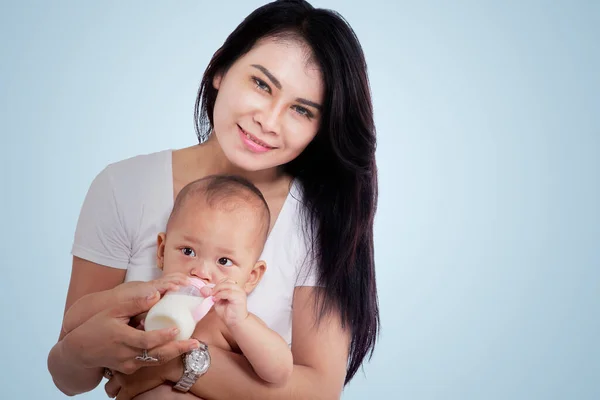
point(268, 353)
point(212, 331)
point(264, 348)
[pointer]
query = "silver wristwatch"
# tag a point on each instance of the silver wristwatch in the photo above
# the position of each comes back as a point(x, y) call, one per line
point(195, 364)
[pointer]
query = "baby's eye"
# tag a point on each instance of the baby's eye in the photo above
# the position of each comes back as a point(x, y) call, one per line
point(188, 251)
point(225, 262)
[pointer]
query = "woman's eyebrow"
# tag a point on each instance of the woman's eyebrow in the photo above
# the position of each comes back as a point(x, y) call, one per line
point(269, 75)
point(277, 84)
point(309, 103)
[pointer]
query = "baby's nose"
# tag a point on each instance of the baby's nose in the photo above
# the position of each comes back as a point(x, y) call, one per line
point(203, 273)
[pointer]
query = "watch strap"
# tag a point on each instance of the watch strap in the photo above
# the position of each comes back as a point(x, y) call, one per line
point(186, 382)
point(190, 377)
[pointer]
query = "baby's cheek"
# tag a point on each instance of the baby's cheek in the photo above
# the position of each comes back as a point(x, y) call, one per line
point(174, 263)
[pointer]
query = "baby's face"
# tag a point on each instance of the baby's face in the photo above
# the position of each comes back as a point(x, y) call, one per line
point(213, 244)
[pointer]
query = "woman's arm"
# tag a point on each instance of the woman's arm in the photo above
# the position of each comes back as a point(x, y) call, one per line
point(92, 303)
point(77, 361)
point(86, 277)
point(320, 357)
point(86, 307)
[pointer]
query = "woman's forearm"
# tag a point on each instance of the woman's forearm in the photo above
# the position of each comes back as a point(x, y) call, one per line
point(86, 307)
point(231, 376)
point(69, 377)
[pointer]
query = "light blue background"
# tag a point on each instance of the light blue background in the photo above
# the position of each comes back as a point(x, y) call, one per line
point(488, 226)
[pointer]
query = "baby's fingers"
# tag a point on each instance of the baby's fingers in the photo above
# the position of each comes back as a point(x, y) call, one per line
point(206, 291)
point(230, 294)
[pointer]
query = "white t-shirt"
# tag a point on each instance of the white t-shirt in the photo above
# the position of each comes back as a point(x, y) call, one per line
point(128, 204)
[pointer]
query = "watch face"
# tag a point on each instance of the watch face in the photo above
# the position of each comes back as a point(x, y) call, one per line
point(198, 361)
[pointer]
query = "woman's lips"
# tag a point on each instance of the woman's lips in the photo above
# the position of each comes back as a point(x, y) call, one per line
point(253, 143)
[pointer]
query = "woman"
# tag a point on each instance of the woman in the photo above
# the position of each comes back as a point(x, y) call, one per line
point(286, 103)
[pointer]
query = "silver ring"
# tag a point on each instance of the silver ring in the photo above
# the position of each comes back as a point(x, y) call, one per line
point(108, 373)
point(145, 357)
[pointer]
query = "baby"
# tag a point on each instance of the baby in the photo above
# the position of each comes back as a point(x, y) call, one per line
point(216, 232)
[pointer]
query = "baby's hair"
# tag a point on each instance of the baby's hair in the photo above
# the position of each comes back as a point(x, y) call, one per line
point(227, 192)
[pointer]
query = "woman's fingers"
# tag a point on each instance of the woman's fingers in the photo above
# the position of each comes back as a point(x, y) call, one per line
point(166, 285)
point(139, 300)
point(167, 352)
point(171, 282)
point(149, 339)
point(112, 387)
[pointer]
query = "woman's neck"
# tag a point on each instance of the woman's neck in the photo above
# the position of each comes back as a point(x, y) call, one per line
point(209, 159)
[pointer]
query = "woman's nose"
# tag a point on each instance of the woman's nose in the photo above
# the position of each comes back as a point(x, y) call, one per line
point(269, 118)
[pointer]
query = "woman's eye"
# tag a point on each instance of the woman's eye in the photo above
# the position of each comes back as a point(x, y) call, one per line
point(225, 262)
point(303, 111)
point(188, 251)
point(261, 85)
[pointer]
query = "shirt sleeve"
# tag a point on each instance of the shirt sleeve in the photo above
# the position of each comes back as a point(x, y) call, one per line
point(100, 235)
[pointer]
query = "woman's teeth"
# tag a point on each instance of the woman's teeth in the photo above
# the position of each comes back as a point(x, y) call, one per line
point(255, 140)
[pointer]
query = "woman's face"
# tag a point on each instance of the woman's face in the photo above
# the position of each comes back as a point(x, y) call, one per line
point(268, 106)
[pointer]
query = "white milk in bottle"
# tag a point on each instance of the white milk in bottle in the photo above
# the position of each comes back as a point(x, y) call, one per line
point(182, 309)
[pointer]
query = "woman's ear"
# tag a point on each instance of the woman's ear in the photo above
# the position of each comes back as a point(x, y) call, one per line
point(217, 80)
point(160, 249)
point(255, 276)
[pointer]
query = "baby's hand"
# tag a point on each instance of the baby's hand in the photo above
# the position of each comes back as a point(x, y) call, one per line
point(230, 302)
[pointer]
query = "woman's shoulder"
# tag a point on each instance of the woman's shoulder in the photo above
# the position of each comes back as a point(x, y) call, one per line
point(140, 169)
point(130, 183)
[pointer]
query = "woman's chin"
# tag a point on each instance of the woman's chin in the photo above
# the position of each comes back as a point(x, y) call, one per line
point(249, 164)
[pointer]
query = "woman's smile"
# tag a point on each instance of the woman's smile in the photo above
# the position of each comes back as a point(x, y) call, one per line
point(253, 143)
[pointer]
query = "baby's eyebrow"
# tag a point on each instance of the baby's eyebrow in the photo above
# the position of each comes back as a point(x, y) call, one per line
point(225, 251)
point(192, 239)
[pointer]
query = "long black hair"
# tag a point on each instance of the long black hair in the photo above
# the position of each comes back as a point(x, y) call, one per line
point(337, 170)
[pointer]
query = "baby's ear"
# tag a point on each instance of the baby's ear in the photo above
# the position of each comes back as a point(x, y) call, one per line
point(255, 275)
point(160, 249)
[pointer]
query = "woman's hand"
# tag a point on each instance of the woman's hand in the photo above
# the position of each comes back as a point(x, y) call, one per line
point(172, 281)
point(107, 340)
point(92, 303)
point(145, 380)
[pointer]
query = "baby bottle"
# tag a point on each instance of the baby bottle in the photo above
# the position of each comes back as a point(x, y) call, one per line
point(182, 309)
